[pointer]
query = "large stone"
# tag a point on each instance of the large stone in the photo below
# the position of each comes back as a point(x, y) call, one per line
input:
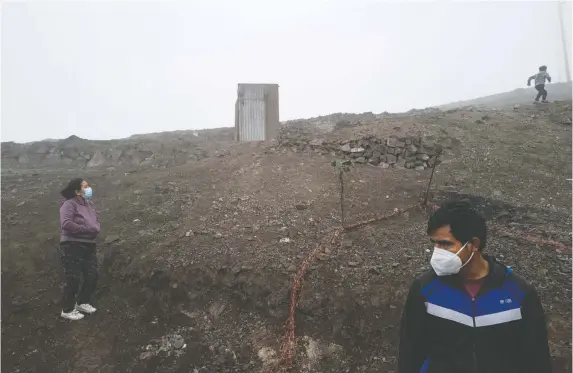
point(357, 150)
point(368, 153)
point(360, 160)
point(178, 342)
point(111, 239)
point(374, 161)
point(390, 159)
point(434, 161)
point(146, 355)
point(316, 142)
point(396, 151)
point(428, 148)
point(400, 163)
point(423, 157)
point(412, 148)
point(345, 148)
point(395, 143)
point(382, 149)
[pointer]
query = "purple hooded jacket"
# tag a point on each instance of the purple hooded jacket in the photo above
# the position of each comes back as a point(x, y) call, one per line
point(79, 221)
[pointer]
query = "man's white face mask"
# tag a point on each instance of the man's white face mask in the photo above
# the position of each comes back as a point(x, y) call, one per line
point(447, 263)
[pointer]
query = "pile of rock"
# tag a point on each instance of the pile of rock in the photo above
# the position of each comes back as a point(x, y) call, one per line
point(409, 152)
point(338, 119)
point(146, 151)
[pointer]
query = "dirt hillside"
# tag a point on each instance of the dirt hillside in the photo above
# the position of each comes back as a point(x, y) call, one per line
point(520, 96)
point(202, 237)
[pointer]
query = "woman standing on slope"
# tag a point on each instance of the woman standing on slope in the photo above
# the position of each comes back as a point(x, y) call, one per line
point(79, 228)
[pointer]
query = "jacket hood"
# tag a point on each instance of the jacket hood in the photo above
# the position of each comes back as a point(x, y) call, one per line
point(496, 268)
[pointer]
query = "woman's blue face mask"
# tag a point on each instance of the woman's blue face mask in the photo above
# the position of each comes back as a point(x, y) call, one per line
point(88, 193)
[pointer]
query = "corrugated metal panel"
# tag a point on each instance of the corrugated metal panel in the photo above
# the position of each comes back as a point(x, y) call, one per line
point(272, 111)
point(251, 120)
point(252, 91)
point(256, 112)
point(237, 120)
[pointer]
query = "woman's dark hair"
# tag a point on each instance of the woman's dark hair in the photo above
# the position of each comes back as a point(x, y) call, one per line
point(465, 222)
point(73, 186)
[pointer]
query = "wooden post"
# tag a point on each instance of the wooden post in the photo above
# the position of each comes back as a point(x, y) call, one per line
point(564, 41)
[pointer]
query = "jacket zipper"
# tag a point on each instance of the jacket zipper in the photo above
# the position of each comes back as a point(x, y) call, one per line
point(473, 336)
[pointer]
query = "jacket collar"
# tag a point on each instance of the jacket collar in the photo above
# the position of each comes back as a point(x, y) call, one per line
point(81, 201)
point(496, 275)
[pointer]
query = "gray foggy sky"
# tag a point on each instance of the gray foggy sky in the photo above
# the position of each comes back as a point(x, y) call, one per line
point(110, 69)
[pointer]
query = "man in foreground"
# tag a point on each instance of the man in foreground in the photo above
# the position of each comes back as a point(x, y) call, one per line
point(470, 313)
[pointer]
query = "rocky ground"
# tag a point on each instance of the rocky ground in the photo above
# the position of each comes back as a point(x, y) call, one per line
point(201, 238)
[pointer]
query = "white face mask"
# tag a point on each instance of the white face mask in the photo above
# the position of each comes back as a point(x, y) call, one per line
point(446, 263)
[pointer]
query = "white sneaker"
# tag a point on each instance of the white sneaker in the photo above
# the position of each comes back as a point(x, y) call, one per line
point(72, 315)
point(86, 308)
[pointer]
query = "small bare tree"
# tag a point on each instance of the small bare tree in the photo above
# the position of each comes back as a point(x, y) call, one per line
point(340, 167)
point(436, 161)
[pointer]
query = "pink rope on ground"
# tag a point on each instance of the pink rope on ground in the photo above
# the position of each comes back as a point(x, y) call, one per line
point(524, 236)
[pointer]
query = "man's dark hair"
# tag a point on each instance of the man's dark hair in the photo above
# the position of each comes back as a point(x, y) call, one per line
point(73, 186)
point(543, 68)
point(465, 222)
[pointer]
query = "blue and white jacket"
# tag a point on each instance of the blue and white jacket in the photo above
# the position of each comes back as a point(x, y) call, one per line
point(445, 330)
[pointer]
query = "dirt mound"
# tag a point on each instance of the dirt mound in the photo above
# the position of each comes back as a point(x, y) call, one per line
point(197, 259)
point(521, 96)
point(139, 151)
